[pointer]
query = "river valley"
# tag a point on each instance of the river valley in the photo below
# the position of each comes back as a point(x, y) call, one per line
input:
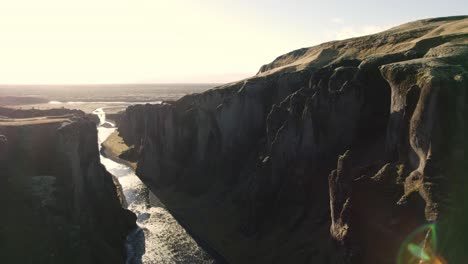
point(159, 237)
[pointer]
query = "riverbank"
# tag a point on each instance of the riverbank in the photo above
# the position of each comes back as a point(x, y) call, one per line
point(162, 239)
point(112, 148)
point(329, 154)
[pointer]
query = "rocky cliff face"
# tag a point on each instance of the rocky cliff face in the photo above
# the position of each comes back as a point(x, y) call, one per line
point(251, 166)
point(60, 204)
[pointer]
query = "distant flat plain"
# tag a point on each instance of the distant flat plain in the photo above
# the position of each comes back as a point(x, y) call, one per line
point(87, 98)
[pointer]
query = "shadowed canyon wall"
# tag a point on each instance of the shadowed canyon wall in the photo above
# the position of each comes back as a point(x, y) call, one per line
point(60, 204)
point(330, 154)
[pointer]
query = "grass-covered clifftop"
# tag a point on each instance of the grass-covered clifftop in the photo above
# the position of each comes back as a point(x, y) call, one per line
point(252, 167)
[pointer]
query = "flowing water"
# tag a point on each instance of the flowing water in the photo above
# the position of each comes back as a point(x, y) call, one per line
point(159, 238)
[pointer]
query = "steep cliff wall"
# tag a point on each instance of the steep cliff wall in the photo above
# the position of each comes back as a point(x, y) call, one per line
point(251, 166)
point(59, 203)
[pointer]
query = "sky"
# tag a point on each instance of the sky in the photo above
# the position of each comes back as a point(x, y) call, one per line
point(180, 41)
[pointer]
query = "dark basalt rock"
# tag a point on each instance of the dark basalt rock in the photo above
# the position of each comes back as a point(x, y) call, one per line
point(256, 155)
point(61, 204)
point(114, 117)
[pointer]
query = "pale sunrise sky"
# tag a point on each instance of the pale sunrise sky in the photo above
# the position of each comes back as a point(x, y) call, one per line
point(134, 41)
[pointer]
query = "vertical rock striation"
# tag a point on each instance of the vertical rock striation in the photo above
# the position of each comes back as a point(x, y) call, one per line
point(250, 166)
point(60, 204)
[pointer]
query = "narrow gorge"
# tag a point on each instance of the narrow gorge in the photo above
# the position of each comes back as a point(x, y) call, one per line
point(331, 154)
point(351, 151)
point(159, 238)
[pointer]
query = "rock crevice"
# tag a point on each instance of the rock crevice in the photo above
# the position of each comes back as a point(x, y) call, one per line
point(255, 157)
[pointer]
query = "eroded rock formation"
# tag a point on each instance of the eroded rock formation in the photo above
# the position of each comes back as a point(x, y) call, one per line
point(249, 166)
point(60, 204)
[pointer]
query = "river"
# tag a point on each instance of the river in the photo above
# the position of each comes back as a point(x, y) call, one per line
point(159, 238)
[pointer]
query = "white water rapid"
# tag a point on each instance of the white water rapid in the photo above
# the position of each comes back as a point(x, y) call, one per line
point(159, 238)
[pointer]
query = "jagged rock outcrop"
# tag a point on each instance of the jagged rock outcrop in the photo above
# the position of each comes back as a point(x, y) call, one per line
point(247, 165)
point(114, 117)
point(60, 204)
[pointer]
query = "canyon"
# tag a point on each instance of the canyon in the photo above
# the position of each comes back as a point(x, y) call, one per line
point(351, 151)
point(330, 154)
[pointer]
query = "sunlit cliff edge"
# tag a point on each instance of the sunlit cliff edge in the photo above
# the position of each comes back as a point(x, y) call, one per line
point(330, 154)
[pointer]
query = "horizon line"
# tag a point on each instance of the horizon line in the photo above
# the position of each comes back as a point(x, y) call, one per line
point(89, 84)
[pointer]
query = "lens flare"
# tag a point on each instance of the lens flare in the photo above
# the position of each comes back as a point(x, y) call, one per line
point(418, 252)
point(420, 247)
